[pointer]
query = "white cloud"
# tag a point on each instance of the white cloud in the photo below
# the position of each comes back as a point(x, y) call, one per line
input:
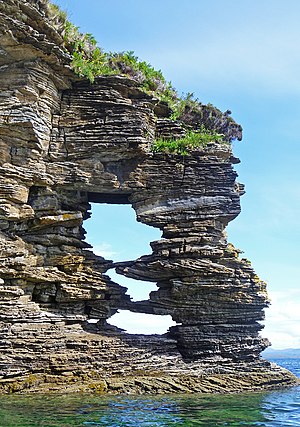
point(104, 249)
point(283, 319)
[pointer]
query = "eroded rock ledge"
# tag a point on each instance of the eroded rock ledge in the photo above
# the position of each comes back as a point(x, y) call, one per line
point(65, 143)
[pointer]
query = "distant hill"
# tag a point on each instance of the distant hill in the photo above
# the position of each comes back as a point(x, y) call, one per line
point(288, 353)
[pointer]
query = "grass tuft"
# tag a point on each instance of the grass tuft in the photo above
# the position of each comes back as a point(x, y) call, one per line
point(89, 60)
point(191, 141)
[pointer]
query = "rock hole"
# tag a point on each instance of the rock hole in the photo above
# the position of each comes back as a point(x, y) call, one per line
point(115, 234)
point(137, 289)
point(140, 323)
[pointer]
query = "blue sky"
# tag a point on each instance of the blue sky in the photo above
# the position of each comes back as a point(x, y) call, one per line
point(238, 55)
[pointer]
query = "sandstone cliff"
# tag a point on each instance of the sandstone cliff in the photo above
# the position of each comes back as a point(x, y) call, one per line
point(64, 143)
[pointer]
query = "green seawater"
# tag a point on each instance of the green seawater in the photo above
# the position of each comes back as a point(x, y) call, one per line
point(272, 409)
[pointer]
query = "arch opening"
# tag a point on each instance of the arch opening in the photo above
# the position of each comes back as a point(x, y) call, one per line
point(115, 234)
point(140, 323)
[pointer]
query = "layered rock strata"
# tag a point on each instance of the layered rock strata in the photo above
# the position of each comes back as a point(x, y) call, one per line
point(65, 143)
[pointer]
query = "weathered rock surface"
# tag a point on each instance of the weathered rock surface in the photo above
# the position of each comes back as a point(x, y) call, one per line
point(65, 143)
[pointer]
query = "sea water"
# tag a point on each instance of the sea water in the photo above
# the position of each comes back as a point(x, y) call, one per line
point(269, 409)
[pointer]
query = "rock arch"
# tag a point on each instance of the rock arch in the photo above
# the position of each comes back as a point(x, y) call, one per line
point(65, 143)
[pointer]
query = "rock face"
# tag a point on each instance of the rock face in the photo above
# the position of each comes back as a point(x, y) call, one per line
point(65, 143)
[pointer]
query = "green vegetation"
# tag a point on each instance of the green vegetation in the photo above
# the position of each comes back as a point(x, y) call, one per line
point(150, 79)
point(192, 140)
point(89, 60)
point(182, 104)
point(204, 123)
point(58, 15)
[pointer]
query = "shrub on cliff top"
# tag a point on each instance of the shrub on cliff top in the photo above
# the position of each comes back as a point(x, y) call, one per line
point(56, 14)
point(89, 60)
